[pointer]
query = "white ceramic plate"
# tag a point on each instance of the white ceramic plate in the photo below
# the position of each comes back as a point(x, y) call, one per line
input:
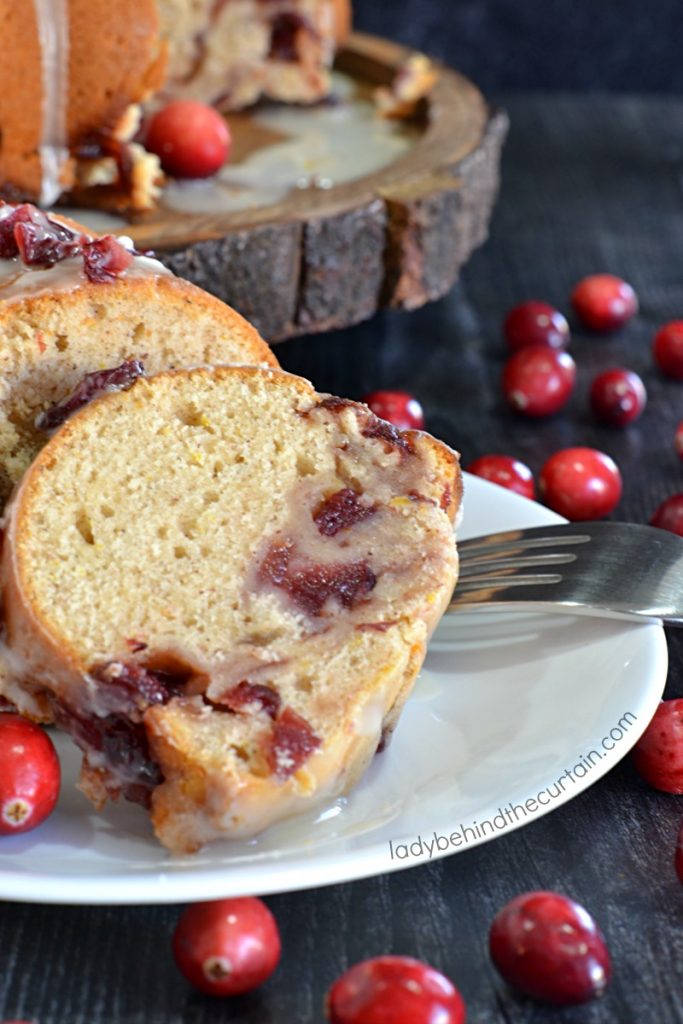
point(506, 704)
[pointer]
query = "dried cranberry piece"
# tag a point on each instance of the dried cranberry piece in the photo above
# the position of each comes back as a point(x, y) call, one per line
point(285, 29)
point(339, 511)
point(275, 565)
point(123, 743)
point(104, 259)
point(392, 437)
point(42, 243)
point(8, 243)
point(335, 404)
point(125, 746)
point(310, 587)
point(252, 697)
point(291, 742)
point(92, 386)
point(140, 686)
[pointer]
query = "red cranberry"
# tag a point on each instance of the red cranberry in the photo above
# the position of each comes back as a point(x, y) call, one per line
point(678, 440)
point(678, 857)
point(550, 948)
point(535, 323)
point(538, 381)
point(29, 775)
point(506, 472)
point(104, 259)
point(604, 302)
point(392, 989)
point(580, 483)
point(191, 139)
point(397, 407)
point(667, 348)
point(658, 754)
point(618, 396)
point(669, 515)
point(227, 947)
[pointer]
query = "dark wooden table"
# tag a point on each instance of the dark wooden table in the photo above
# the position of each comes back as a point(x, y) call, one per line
point(589, 185)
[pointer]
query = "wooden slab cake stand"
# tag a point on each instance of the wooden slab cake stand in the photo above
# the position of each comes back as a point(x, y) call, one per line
point(327, 258)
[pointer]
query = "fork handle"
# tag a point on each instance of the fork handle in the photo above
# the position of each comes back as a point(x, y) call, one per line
point(468, 603)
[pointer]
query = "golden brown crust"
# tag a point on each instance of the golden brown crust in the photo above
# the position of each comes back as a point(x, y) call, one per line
point(21, 112)
point(342, 20)
point(106, 73)
point(165, 288)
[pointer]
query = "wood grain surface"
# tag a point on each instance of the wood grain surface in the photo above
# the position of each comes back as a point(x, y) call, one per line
point(323, 259)
point(589, 185)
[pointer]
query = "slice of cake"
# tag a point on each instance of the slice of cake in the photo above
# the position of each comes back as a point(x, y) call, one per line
point(76, 72)
point(223, 585)
point(71, 304)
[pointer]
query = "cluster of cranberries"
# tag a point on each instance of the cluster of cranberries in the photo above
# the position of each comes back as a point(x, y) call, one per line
point(538, 379)
point(542, 943)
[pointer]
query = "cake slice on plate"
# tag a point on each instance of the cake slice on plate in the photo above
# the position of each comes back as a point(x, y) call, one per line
point(72, 304)
point(222, 584)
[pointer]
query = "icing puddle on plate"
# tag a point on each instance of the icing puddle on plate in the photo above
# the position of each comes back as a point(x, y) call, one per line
point(278, 149)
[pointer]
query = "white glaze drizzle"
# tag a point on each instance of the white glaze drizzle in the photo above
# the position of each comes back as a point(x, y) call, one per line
point(18, 281)
point(311, 148)
point(52, 18)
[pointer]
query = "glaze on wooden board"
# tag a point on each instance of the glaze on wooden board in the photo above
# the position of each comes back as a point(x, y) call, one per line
point(316, 258)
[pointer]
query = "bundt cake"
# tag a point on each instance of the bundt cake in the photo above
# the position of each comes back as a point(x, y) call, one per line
point(222, 584)
point(76, 71)
point(71, 304)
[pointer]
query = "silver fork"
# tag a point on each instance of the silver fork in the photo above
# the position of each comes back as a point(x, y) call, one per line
point(617, 570)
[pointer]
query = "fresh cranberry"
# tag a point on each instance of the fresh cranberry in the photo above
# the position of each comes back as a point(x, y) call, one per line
point(669, 515)
point(506, 472)
point(678, 440)
point(535, 323)
point(667, 349)
point(397, 407)
point(604, 302)
point(227, 947)
point(618, 396)
point(678, 856)
point(538, 381)
point(550, 948)
point(394, 990)
point(580, 483)
point(191, 139)
point(29, 775)
point(658, 754)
